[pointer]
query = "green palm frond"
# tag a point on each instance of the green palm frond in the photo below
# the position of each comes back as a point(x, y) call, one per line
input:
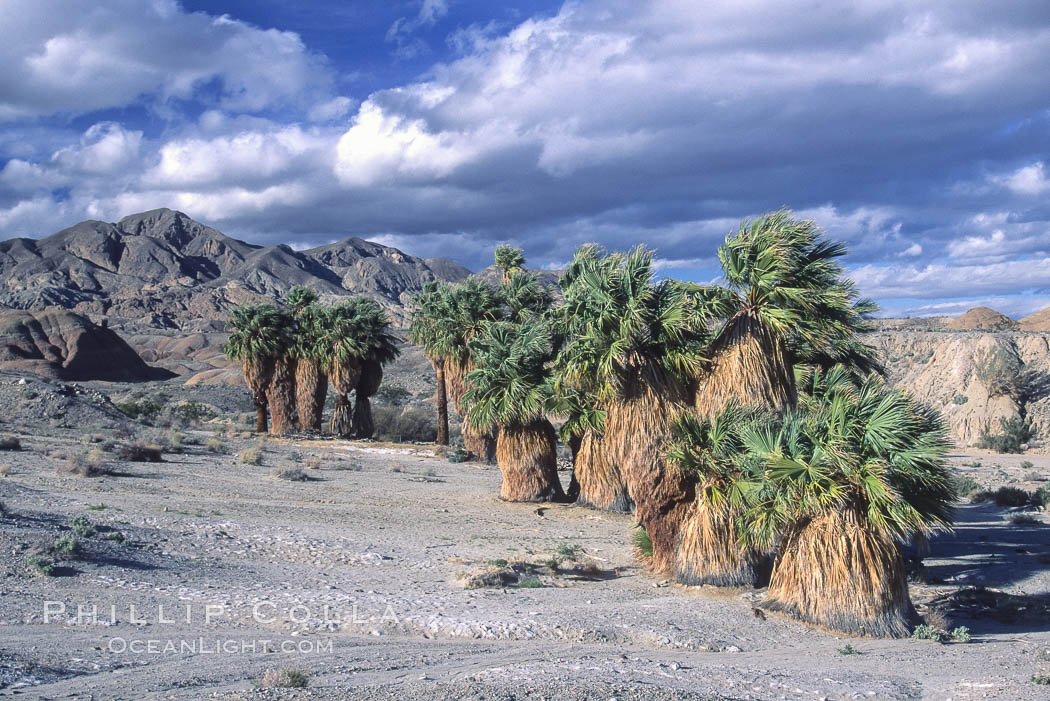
point(359, 329)
point(258, 332)
point(782, 272)
point(510, 384)
point(857, 445)
point(618, 323)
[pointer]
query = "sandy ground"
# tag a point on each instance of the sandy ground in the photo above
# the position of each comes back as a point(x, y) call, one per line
point(356, 578)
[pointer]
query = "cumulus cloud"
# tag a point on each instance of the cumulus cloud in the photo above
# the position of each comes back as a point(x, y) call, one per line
point(62, 56)
point(664, 123)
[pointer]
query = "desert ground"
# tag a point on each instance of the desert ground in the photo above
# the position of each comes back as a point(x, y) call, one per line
point(390, 572)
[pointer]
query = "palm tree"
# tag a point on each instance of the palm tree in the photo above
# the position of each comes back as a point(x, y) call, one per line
point(712, 450)
point(596, 480)
point(509, 389)
point(258, 335)
point(351, 336)
point(509, 260)
point(471, 305)
point(428, 330)
point(312, 354)
point(640, 345)
point(383, 350)
point(856, 471)
point(785, 302)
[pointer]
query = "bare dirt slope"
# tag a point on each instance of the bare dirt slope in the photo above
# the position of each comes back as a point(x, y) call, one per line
point(385, 537)
point(958, 374)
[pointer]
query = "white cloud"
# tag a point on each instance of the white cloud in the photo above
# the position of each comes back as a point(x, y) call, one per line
point(940, 280)
point(65, 56)
point(330, 109)
point(241, 158)
point(661, 122)
point(104, 148)
point(1029, 180)
point(1000, 236)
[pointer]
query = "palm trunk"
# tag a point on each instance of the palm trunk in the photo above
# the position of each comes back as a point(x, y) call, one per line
point(637, 431)
point(600, 484)
point(261, 419)
point(573, 493)
point(750, 366)
point(483, 445)
point(311, 390)
point(367, 385)
point(280, 395)
point(708, 552)
point(343, 378)
point(364, 426)
point(528, 459)
point(442, 403)
point(257, 375)
point(837, 572)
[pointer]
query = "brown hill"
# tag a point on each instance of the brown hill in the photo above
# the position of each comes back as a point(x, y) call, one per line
point(982, 319)
point(66, 346)
point(1040, 321)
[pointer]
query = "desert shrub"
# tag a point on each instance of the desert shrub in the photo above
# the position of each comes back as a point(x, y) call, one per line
point(146, 409)
point(1041, 679)
point(960, 399)
point(66, 546)
point(313, 462)
point(530, 583)
point(10, 443)
point(1014, 434)
point(458, 454)
point(215, 445)
point(1024, 520)
point(81, 464)
point(848, 650)
point(250, 456)
point(193, 412)
point(1011, 496)
point(404, 425)
point(140, 452)
point(176, 441)
point(394, 393)
point(1026, 465)
point(964, 485)
point(1033, 476)
point(81, 527)
point(924, 631)
point(292, 473)
point(1041, 496)
point(282, 679)
point(40, 565)
point(960, 634)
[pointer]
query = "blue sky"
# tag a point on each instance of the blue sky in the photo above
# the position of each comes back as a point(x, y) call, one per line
point(918, 132)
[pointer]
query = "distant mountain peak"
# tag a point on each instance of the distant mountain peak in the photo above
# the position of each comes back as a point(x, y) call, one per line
point(162, 264)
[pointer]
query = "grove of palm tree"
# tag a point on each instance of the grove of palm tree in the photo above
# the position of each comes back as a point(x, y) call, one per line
point(744, 424)
point(290, 356)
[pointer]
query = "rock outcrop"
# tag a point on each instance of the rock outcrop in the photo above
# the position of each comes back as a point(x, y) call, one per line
point(967, 376)
point(65, 346)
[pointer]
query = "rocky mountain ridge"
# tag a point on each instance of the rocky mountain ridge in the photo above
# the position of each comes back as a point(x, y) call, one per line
point(161, 269)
